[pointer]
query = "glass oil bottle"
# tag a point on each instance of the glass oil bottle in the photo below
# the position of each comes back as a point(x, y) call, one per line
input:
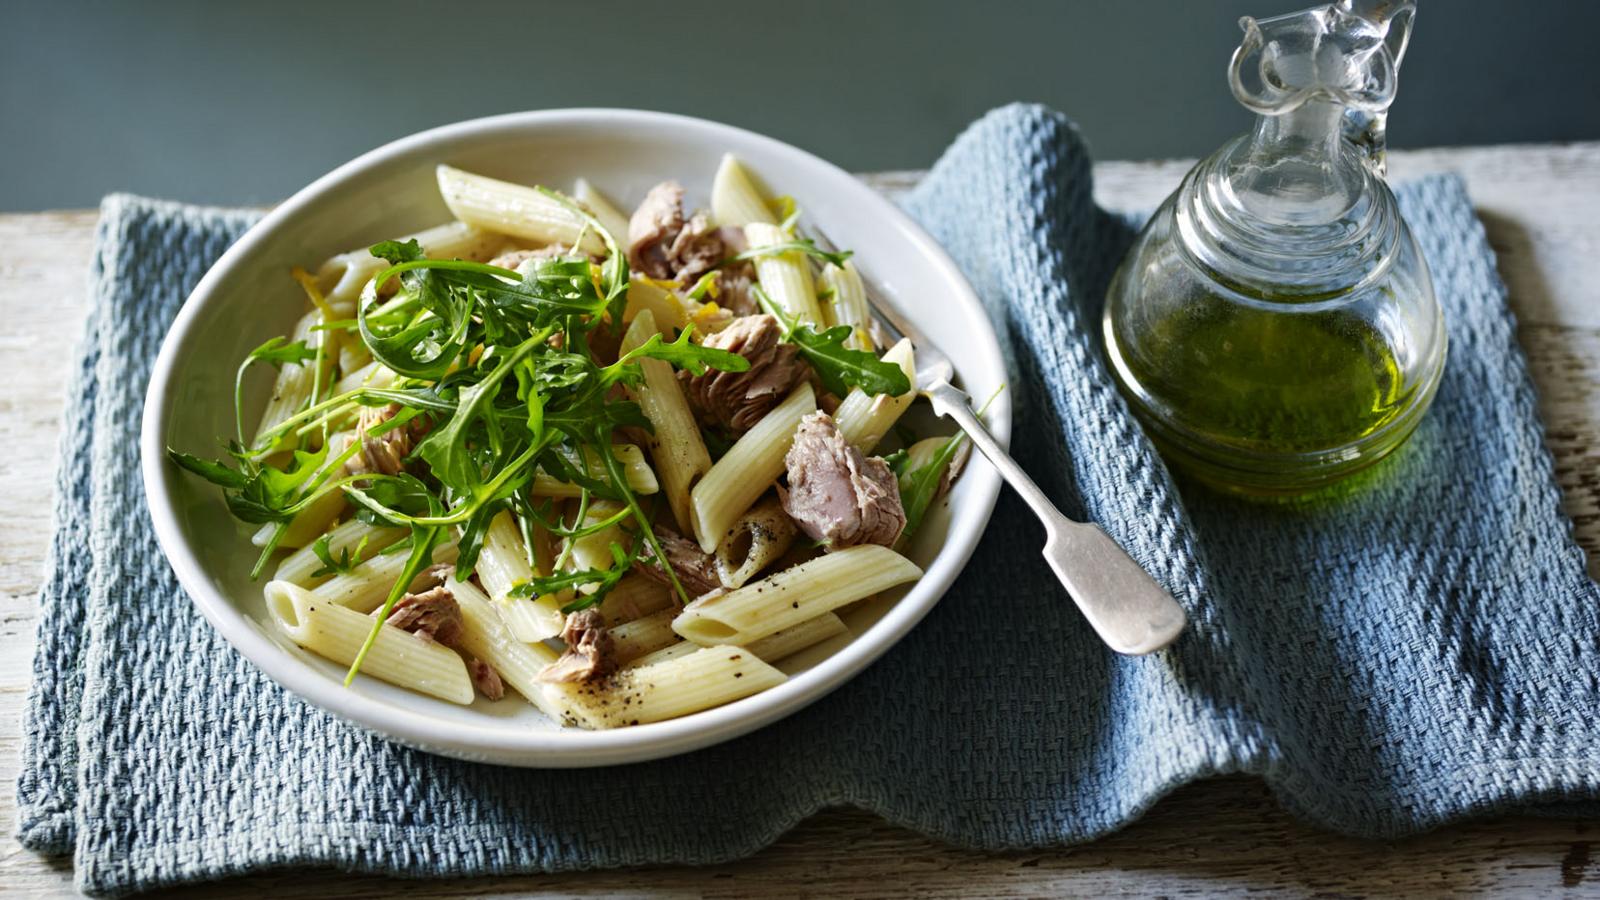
point(1274, 326)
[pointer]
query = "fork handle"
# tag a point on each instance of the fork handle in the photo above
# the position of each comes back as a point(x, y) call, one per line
point(1130, 611)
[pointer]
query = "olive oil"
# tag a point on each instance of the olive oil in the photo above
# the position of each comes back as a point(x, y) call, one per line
point(1274, 325)
point(1270, 381)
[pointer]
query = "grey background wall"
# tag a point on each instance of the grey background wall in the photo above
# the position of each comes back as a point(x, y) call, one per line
point(226, 102)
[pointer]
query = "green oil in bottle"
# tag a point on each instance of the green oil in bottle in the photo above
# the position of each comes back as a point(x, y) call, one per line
point(1268, 382)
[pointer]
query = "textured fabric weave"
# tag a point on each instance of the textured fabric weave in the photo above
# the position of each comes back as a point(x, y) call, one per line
point(1421, 646)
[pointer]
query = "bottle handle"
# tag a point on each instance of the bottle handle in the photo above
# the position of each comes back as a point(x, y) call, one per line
point(1367, 128)
point(1280, 65)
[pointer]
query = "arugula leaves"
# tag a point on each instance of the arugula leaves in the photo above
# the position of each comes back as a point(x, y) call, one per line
point(839, 367)
point(279, 350)
point(257, 494)
point(691, 357)
point(497, 379)
point(919, 485)
point(332, 565)
point(602, 579)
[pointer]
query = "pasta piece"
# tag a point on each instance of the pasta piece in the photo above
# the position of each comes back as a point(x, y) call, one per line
point(293, 386)
point(671, 651)
point(644, 295)
point(641, 478)
point(634, 597)
point(298, 566)
point(365, 587)
point(677, 447)
point(593, 551)
point(484, 636)
point(735, 199)
point(795, 638)
point(306, 527)
point(644, 635)
point(786, 277)
point(337, 633)
point(848, 304)
point(863, 419)
point(757, 540)
point(372, 375)
point(312, 521)
point(772, 648)
point(602, 208)
point(749, 467)
point(502, 565)
point(353, 357)
point(690, 683)
point(344, 276)
point(787, 598)
point(514, 209)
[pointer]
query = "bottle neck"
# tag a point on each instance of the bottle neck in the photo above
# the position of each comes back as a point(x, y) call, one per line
point(1296, 170)
point(1289, 210)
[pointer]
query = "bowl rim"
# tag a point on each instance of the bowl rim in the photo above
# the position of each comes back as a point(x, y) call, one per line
point(551, 747)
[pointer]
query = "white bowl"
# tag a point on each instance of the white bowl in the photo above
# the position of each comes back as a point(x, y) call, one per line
point(247, 297)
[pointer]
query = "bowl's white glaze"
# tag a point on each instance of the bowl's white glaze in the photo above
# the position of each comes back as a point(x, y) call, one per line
point(247, 297)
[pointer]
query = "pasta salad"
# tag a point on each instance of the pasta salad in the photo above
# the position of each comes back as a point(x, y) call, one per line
point(622, 465)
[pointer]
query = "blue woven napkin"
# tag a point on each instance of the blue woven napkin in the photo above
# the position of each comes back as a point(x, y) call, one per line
point(1420, 646)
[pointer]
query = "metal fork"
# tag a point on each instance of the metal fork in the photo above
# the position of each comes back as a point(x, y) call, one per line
point(1130, 611)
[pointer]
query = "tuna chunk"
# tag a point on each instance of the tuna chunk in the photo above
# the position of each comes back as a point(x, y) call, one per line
point(434, 616)
point(431, 615)
point(665, 245)
point(485, 678)
point(836, 494)
point(738, 400)
point(512, 259)
point(733, 290)
point(696, 569)
point(384, 454)
point(590, 653)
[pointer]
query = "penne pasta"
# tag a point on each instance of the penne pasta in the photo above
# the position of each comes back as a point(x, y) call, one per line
point(785, 277)
point(306, 527)
point(635, 596)
point(601, 207)
point(671, 651)
point(337, 633)
point(646, 634)
point(745, 472)
point(735, 199)
point(299, 566)
point(371, 375)
point(343, 277)
point(677, 447)
point(758, 539)
point(365, 587)
point(789, 641)
point(792, 596)
point(486, 637)
point(593, 550)
point(666, 306)
point(700, 680)
point(641, 478)
point(503, 565)
point(863, 420)
point(772, 648)
point(292, 388)
point(847, 304)
point(514, 209)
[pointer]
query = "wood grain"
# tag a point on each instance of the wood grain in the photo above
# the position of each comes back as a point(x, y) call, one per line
point(1541, 207)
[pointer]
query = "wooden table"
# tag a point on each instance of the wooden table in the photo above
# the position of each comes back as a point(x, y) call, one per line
point(1541, 205)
